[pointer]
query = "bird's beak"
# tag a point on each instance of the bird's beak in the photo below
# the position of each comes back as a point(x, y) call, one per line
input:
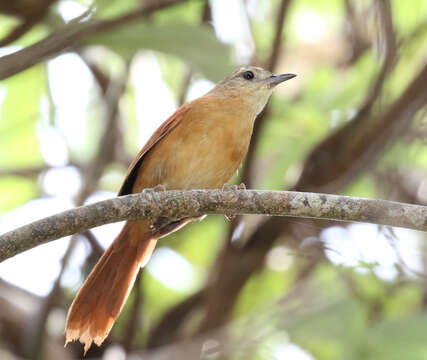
point(273, 80)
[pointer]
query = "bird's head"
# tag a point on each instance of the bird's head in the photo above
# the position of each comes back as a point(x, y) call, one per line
point(254, 85)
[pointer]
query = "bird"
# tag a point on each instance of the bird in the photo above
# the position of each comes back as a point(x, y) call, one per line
point(200, 146)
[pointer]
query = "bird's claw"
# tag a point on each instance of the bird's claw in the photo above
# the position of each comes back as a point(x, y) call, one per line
point(154, 190)
point(155, 223)
point(157, 188)
point(159, 223)
point(230, 217)
point(233, 188)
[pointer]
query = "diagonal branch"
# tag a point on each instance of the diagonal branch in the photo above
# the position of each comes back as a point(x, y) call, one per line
point(30, 12)
point(352, 148)
point(69, 36)
point(179, 204)
point(19, 31)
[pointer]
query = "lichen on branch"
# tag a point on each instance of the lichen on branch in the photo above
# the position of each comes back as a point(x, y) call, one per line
point(178, 204)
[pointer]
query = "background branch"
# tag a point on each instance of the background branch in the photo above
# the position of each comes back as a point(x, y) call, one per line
point(271, 64)
point(69, 36)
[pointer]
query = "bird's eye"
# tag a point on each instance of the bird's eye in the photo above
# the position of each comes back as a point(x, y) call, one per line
point(248, 75)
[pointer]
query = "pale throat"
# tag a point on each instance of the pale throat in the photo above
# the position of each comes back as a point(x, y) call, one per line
point(258, 101)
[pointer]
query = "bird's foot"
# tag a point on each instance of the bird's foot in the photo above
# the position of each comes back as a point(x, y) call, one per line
point(155, 222)
point(152, 192)
point(233, 188)
point(157, 188)
point(227, 187)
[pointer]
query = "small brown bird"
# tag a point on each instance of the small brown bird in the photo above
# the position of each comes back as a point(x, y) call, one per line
point(199, 147)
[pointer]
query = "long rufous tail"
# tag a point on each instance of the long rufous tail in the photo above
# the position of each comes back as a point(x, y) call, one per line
point(102, 296)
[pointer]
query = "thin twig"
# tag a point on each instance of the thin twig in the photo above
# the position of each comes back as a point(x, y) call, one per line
point(271, 65)
point(19, 31)
point(277, 43)
point(25, 172)
point(31, 14)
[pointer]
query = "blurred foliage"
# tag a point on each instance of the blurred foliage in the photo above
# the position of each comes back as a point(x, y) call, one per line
point(174, 39)
point(353, 313)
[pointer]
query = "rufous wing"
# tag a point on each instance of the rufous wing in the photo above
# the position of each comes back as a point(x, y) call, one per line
point(164, 129)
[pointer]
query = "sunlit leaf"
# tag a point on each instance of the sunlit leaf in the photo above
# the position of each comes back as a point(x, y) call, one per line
point(15, 191)
point(20, 110)
point(195, 44)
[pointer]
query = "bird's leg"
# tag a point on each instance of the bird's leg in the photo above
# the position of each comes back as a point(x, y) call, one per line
point(152, 191)
point(162, 226)
point(157, 188)
point(159, 222)
point(233, 188)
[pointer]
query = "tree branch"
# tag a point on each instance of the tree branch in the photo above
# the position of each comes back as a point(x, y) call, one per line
point(178, 204)
point(69, 36)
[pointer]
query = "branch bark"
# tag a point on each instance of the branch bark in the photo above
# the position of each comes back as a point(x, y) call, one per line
point(178, 204)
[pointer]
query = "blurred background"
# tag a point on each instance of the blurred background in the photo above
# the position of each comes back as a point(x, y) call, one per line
point(353, 122)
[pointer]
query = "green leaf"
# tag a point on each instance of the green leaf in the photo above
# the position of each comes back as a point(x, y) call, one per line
point(19, 112)
point(331, 332)
point(393, 340)
point(195, 44)
point(111, 8)
point(15, 191)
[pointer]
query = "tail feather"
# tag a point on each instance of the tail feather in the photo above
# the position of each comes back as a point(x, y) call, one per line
point(102, 296)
